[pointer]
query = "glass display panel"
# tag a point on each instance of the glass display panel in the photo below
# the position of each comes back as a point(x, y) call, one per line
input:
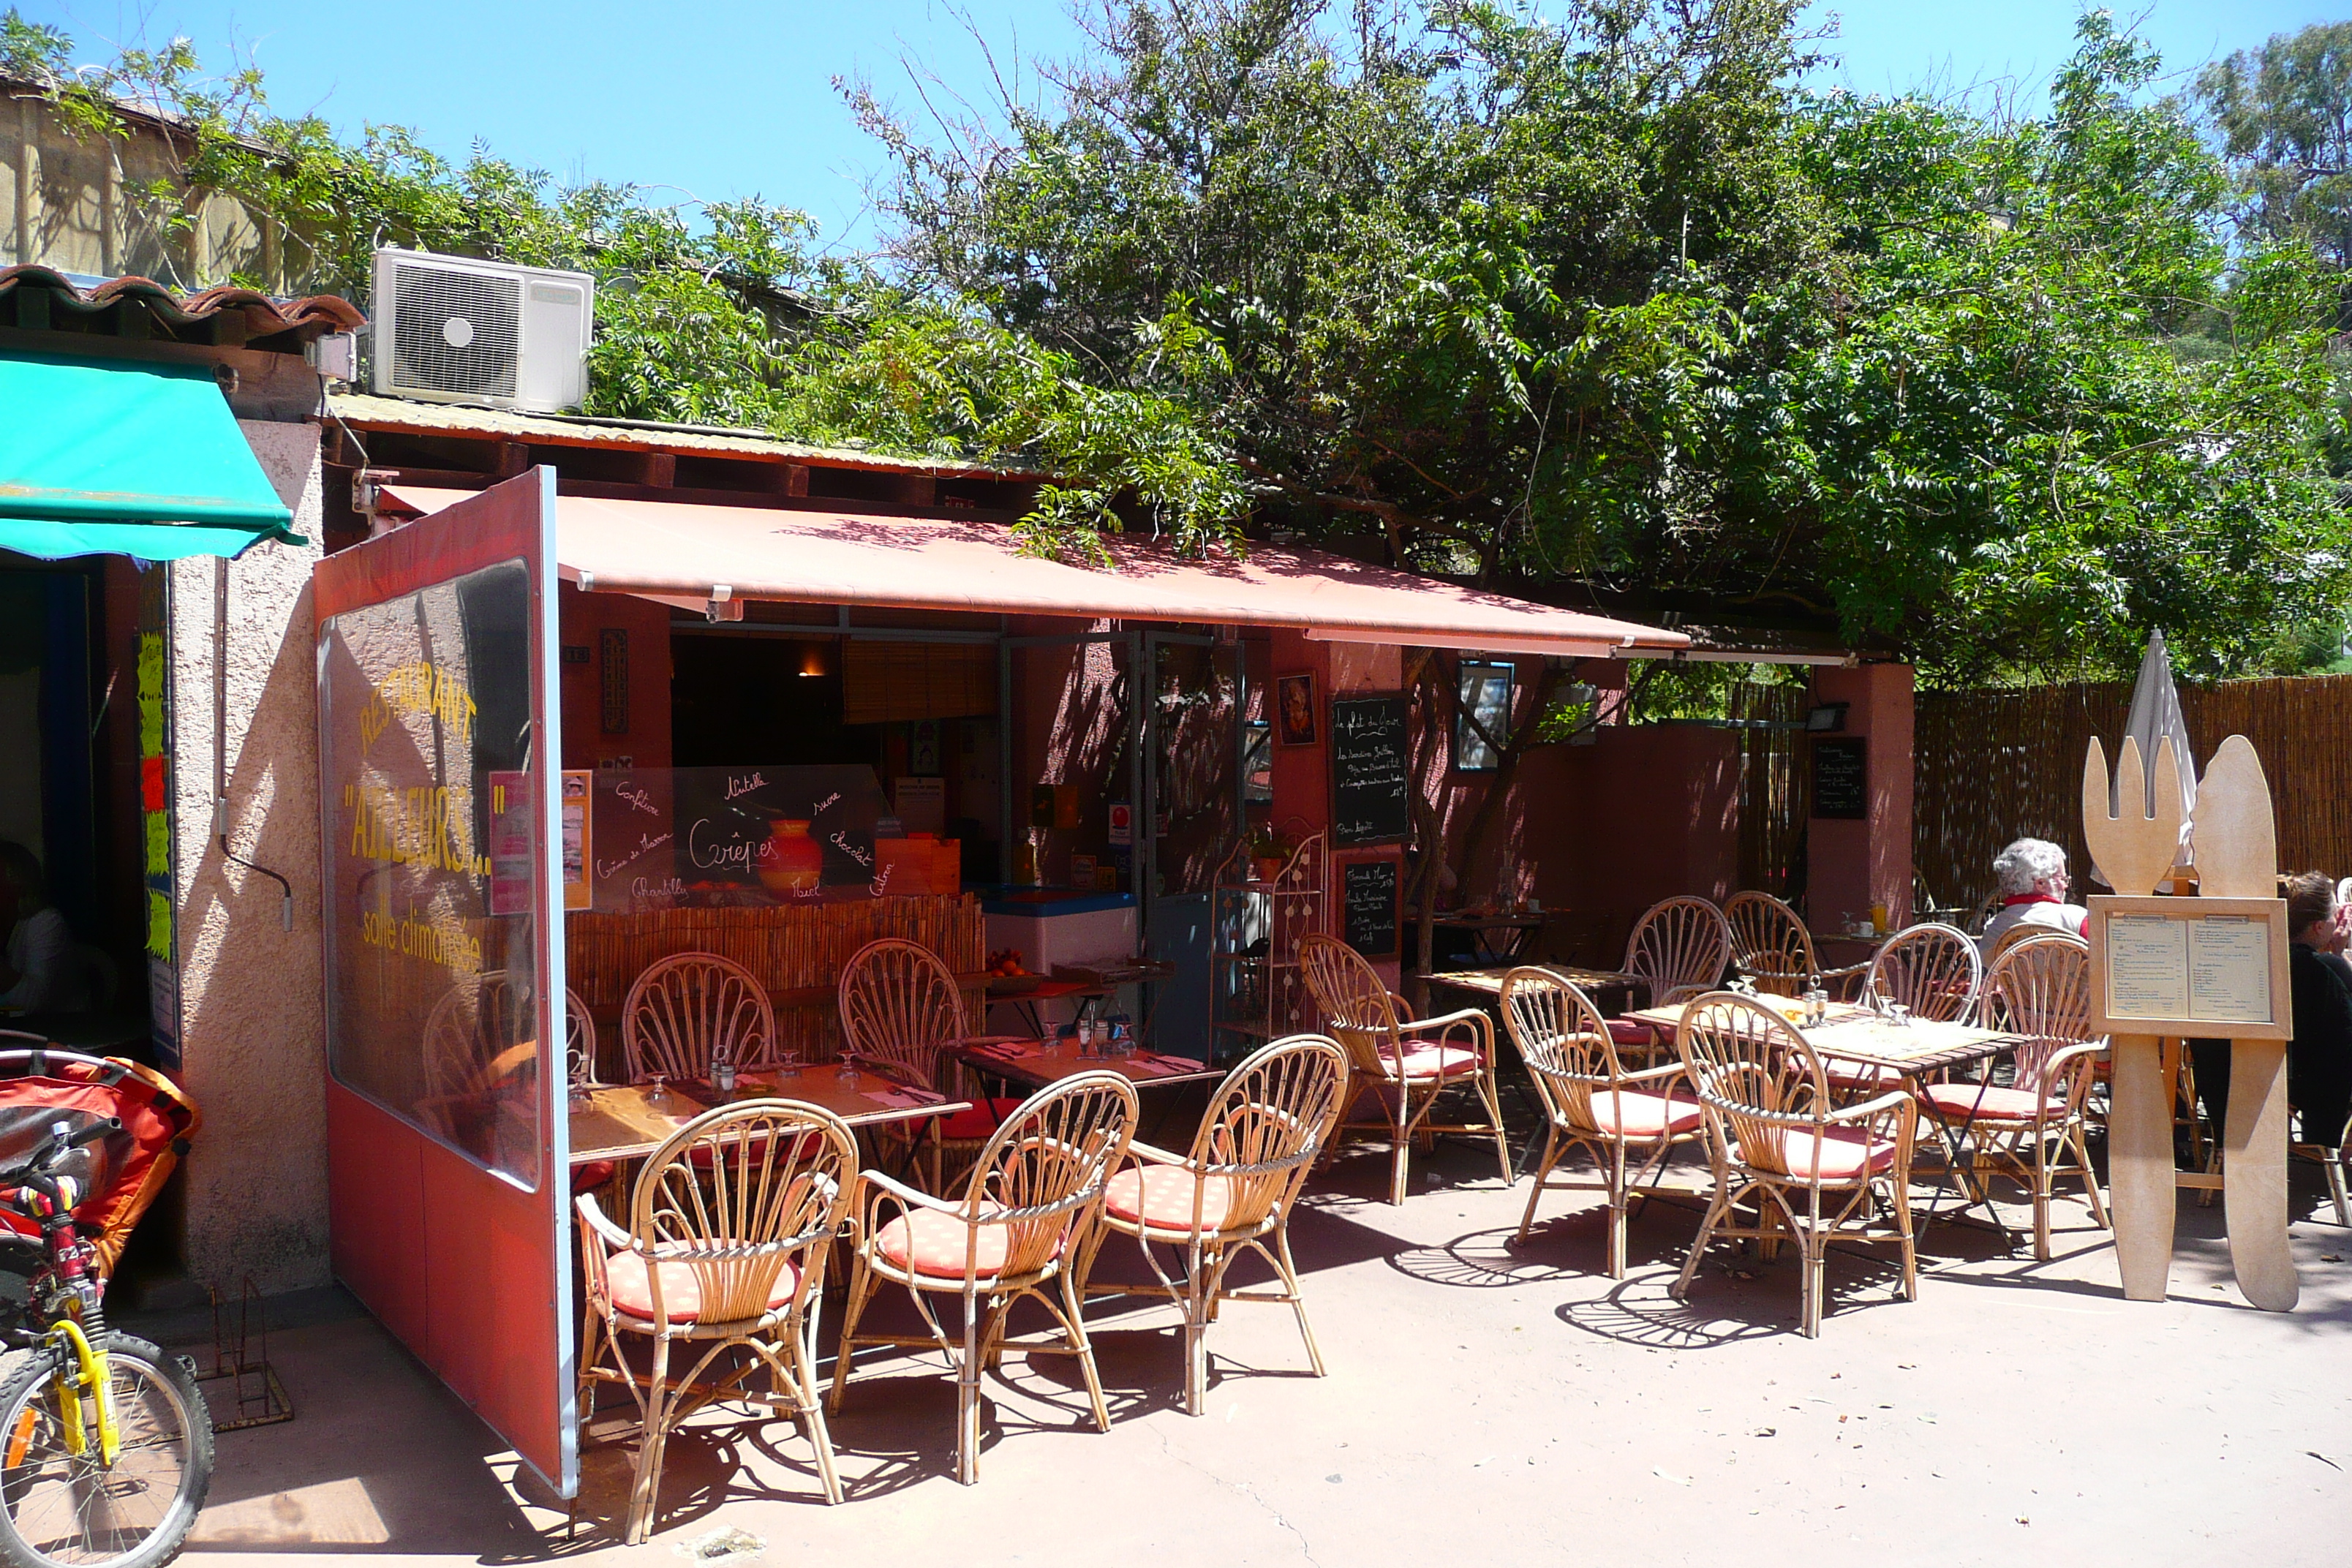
point(425, 752)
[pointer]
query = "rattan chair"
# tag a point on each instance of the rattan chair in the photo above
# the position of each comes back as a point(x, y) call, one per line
point(1589, 1101)
point(1681, 946)
point(1014, 1235)
point(1402, 1063)
point(1770, 944)
point(1932, 972)
point(1231, 1195)
point(2027, 1130)
point(902, 1010)
point(2337, 1163)
point(579, 1042)
point(730, 1225)
point(1818, 1171)
point(691, 1010)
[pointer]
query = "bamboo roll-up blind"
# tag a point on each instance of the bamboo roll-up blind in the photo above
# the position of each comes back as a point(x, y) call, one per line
point(1992, 766)
point(889, 682)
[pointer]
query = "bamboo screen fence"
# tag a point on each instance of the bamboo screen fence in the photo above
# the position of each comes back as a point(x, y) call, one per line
point(797, 951)
point(1772, 787)
point(1991, 766)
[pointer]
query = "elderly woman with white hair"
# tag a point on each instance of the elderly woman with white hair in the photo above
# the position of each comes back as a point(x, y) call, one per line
point(2032, 873)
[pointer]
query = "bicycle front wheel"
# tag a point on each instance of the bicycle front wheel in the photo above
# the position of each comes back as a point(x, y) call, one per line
point(61, 1506)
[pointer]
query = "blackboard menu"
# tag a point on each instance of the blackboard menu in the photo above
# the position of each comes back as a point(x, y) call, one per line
point(1841, 777)
point(1369, 912)
point(1368, 770)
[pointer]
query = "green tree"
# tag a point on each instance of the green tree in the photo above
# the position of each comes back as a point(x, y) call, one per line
point(1597, 295)
point(717, 313)
point(2284, 117)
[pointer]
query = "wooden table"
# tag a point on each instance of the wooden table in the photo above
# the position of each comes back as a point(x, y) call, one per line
point(617, 1122)
point(1100, 981)
point(1483, 929)
point(1488, 983)
point(1912, 1050)
point(1034, 1064)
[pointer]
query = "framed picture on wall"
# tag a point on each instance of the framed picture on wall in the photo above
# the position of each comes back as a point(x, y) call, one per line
point(1294, 708)
point(1483, 692)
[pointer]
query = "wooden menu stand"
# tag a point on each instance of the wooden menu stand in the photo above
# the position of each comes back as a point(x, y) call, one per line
point(2210, 966)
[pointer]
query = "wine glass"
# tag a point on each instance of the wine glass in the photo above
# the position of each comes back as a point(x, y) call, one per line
point(847, 1071)
point(657, 1096)
point(788, 1062)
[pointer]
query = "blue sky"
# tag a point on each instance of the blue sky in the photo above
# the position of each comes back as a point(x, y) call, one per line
point(727, 98)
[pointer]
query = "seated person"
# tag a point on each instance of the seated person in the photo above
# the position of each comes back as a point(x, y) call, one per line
point(2319, 1058)
point(2032, 873)
point(41, 972)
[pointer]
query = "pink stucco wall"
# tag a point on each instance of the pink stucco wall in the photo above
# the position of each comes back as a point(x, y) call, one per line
point(253, 1034)
point(1853, 865)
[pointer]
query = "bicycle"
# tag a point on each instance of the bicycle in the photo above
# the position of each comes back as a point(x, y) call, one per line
point(106, 1445)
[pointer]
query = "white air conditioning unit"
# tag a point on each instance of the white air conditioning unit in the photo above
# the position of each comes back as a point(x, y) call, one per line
point(453, 330)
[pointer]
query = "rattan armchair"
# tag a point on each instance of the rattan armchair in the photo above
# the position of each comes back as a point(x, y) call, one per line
point(2031, 1131)
point(1231, 1195)
point(579, 1042)
point(1402, 1063)
point(1014, 1235)
point(1771, 945)
point(691, 1010)
point(1681, 948)
point(2335, 1160)
point(730, 1225)
point(902, 1010)
point(1591, 1101)
point(1817, 1172)
point(1933, 973)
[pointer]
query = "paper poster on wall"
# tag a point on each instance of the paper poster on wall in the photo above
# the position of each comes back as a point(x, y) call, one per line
point(511, 860)
point(578, 838)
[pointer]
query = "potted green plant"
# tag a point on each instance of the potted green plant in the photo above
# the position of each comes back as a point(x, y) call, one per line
point(1270, 851)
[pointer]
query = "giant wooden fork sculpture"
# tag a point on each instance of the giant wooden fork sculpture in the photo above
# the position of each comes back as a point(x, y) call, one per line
point(2237, 858)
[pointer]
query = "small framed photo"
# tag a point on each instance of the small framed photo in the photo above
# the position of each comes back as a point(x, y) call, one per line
point(1294, 708)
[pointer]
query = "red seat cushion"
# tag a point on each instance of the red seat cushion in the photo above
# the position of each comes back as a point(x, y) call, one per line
point(1161, 1196)
point(1627, 1032)
point(926, 1242)
point(1631, 1114)
point(632, 1291)
point(587, 1178)
point(1842, 1155)
point(978, 1124)
point(1955, 1101)
point(1424, 1062)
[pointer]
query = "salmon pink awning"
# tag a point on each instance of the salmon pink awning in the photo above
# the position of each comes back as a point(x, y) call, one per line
point(694, 556)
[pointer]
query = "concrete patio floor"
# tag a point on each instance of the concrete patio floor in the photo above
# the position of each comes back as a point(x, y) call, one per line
point(1483, 1402)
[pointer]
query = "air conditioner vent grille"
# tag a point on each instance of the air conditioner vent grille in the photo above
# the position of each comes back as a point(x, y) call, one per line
point(455, 331)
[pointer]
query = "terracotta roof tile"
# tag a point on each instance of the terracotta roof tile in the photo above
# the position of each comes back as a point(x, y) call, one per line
point(264, 317)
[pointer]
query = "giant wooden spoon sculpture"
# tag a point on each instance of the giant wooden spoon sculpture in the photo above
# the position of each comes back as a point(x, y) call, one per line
point(2237, 858)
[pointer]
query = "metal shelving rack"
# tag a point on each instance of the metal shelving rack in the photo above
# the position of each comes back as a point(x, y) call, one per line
point(1258, 992)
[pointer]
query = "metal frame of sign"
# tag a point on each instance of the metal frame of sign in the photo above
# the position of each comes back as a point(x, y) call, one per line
point(2280, 1025)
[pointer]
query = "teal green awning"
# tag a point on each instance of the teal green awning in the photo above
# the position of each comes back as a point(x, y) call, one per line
point(113, 457)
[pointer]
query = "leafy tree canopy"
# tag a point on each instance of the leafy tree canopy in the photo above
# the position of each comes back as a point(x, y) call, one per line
point(1589, 296)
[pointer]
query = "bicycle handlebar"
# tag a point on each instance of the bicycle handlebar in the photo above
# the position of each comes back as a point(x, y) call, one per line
point(55, 1148)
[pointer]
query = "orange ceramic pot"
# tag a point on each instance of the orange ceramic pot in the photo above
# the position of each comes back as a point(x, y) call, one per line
point(791, 861)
